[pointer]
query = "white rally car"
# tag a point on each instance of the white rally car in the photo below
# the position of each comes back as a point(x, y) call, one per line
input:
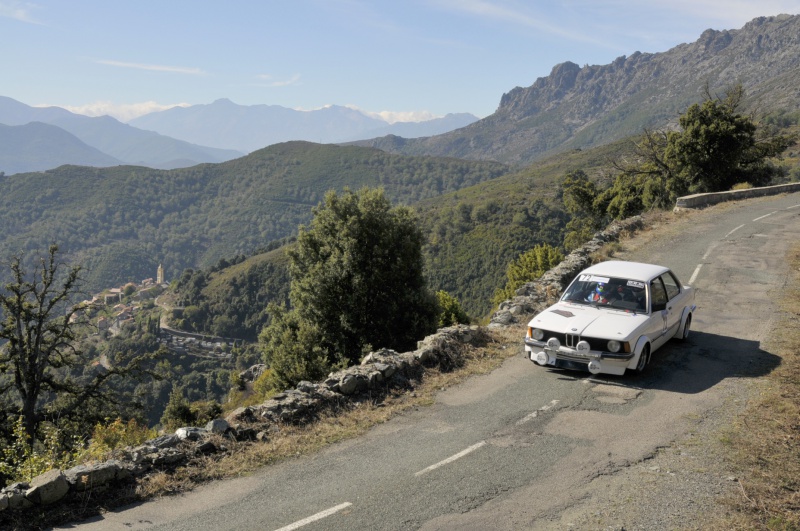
point(612, 317)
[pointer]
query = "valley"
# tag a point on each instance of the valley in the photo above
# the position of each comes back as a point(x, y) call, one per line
point(265, 253)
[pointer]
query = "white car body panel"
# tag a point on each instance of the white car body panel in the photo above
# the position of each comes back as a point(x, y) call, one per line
point(628, 313)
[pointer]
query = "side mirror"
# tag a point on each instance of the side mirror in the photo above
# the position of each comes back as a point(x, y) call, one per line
point(659, 306)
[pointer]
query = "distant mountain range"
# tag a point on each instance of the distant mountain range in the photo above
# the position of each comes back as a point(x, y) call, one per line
point(578, 107)
point(84, 140)
point(572, 108)
point(225, 124)
point(180, 137)
point(37, 146)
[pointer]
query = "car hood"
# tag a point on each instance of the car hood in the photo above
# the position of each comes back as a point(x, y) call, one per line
point(588, 321)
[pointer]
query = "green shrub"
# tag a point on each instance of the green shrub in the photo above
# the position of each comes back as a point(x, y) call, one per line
point(116, 434)
point(22, 461)
point(292, 351)
point(204, 411)
point(529, 266)
point(450, 310)
point(178, 412)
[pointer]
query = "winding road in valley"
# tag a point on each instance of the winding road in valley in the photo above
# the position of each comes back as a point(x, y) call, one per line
point(532, 448)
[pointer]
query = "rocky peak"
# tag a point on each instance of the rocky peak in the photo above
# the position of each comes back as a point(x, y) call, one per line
point(581, 107)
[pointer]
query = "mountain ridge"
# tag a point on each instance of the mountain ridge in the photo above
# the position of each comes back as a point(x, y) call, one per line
point(580, 107)
point(21, 149)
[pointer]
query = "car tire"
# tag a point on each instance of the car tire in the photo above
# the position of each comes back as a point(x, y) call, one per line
point(686, 328)
point(644, 359)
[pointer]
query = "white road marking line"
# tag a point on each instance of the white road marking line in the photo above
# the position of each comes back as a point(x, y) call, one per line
point(314, 518)
point(795, 206)
point(766, 215)
point(459, 455)
point(535, 414)
point(734, 230)
point(708, 251)
point(694, 275)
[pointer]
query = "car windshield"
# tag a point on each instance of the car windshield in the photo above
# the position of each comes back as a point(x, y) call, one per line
point(597, 290)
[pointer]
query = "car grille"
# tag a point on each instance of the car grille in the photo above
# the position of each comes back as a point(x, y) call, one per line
point(571, 340)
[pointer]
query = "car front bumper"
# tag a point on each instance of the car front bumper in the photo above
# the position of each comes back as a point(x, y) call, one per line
point(569, 358)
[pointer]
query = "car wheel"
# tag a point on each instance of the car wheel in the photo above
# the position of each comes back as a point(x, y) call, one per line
point(686, 328)
point(644, 359)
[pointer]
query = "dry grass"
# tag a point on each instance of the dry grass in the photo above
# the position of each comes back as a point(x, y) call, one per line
point(764, 444)
point(242, 458)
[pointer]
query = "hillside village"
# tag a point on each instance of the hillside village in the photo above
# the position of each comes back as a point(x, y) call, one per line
point(112, 310)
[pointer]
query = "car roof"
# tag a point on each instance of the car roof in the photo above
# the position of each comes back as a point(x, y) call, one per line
point(629, 270)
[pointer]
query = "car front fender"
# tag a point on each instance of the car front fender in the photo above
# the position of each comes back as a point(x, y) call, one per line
point(637, 350)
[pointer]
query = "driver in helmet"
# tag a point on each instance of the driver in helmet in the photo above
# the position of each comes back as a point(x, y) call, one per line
point(601, 294)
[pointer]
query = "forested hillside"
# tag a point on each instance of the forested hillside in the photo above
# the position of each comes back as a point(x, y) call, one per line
point(476, 232)
point(473, 234)
point(121, 222)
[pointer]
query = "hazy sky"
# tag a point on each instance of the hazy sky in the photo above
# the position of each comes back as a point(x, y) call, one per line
point(406, 58)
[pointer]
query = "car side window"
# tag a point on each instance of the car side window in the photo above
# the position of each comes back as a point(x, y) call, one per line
point(658, 295)
point(671, 283)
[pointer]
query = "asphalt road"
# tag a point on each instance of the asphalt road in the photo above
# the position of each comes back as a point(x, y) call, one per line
point(521, 447)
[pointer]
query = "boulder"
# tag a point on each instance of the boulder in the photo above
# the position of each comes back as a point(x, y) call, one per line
point(241, 414)
point(385, 369)
point(204, 448)
point(16, 499)
point(167, 456)
point(48, 488)
point(245, 434)
point(190, 433)
point(348, 384)
point(251, 374)
point(219, 426)
point(84, 477)
point(169, 440)
point(3, 501)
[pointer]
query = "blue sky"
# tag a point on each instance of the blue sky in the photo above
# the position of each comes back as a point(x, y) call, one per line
point(404, 58)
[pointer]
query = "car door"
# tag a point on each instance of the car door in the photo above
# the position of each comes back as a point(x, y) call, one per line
point(659, 321)
point(674, 304)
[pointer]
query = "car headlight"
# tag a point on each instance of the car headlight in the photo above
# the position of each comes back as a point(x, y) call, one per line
point(614, 346)
point(537, 334)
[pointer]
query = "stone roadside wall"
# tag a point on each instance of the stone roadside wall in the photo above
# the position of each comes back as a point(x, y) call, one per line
point(701, 200)
point(378, 372)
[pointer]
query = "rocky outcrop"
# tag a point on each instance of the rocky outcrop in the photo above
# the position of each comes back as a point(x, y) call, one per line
point(578, 107)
